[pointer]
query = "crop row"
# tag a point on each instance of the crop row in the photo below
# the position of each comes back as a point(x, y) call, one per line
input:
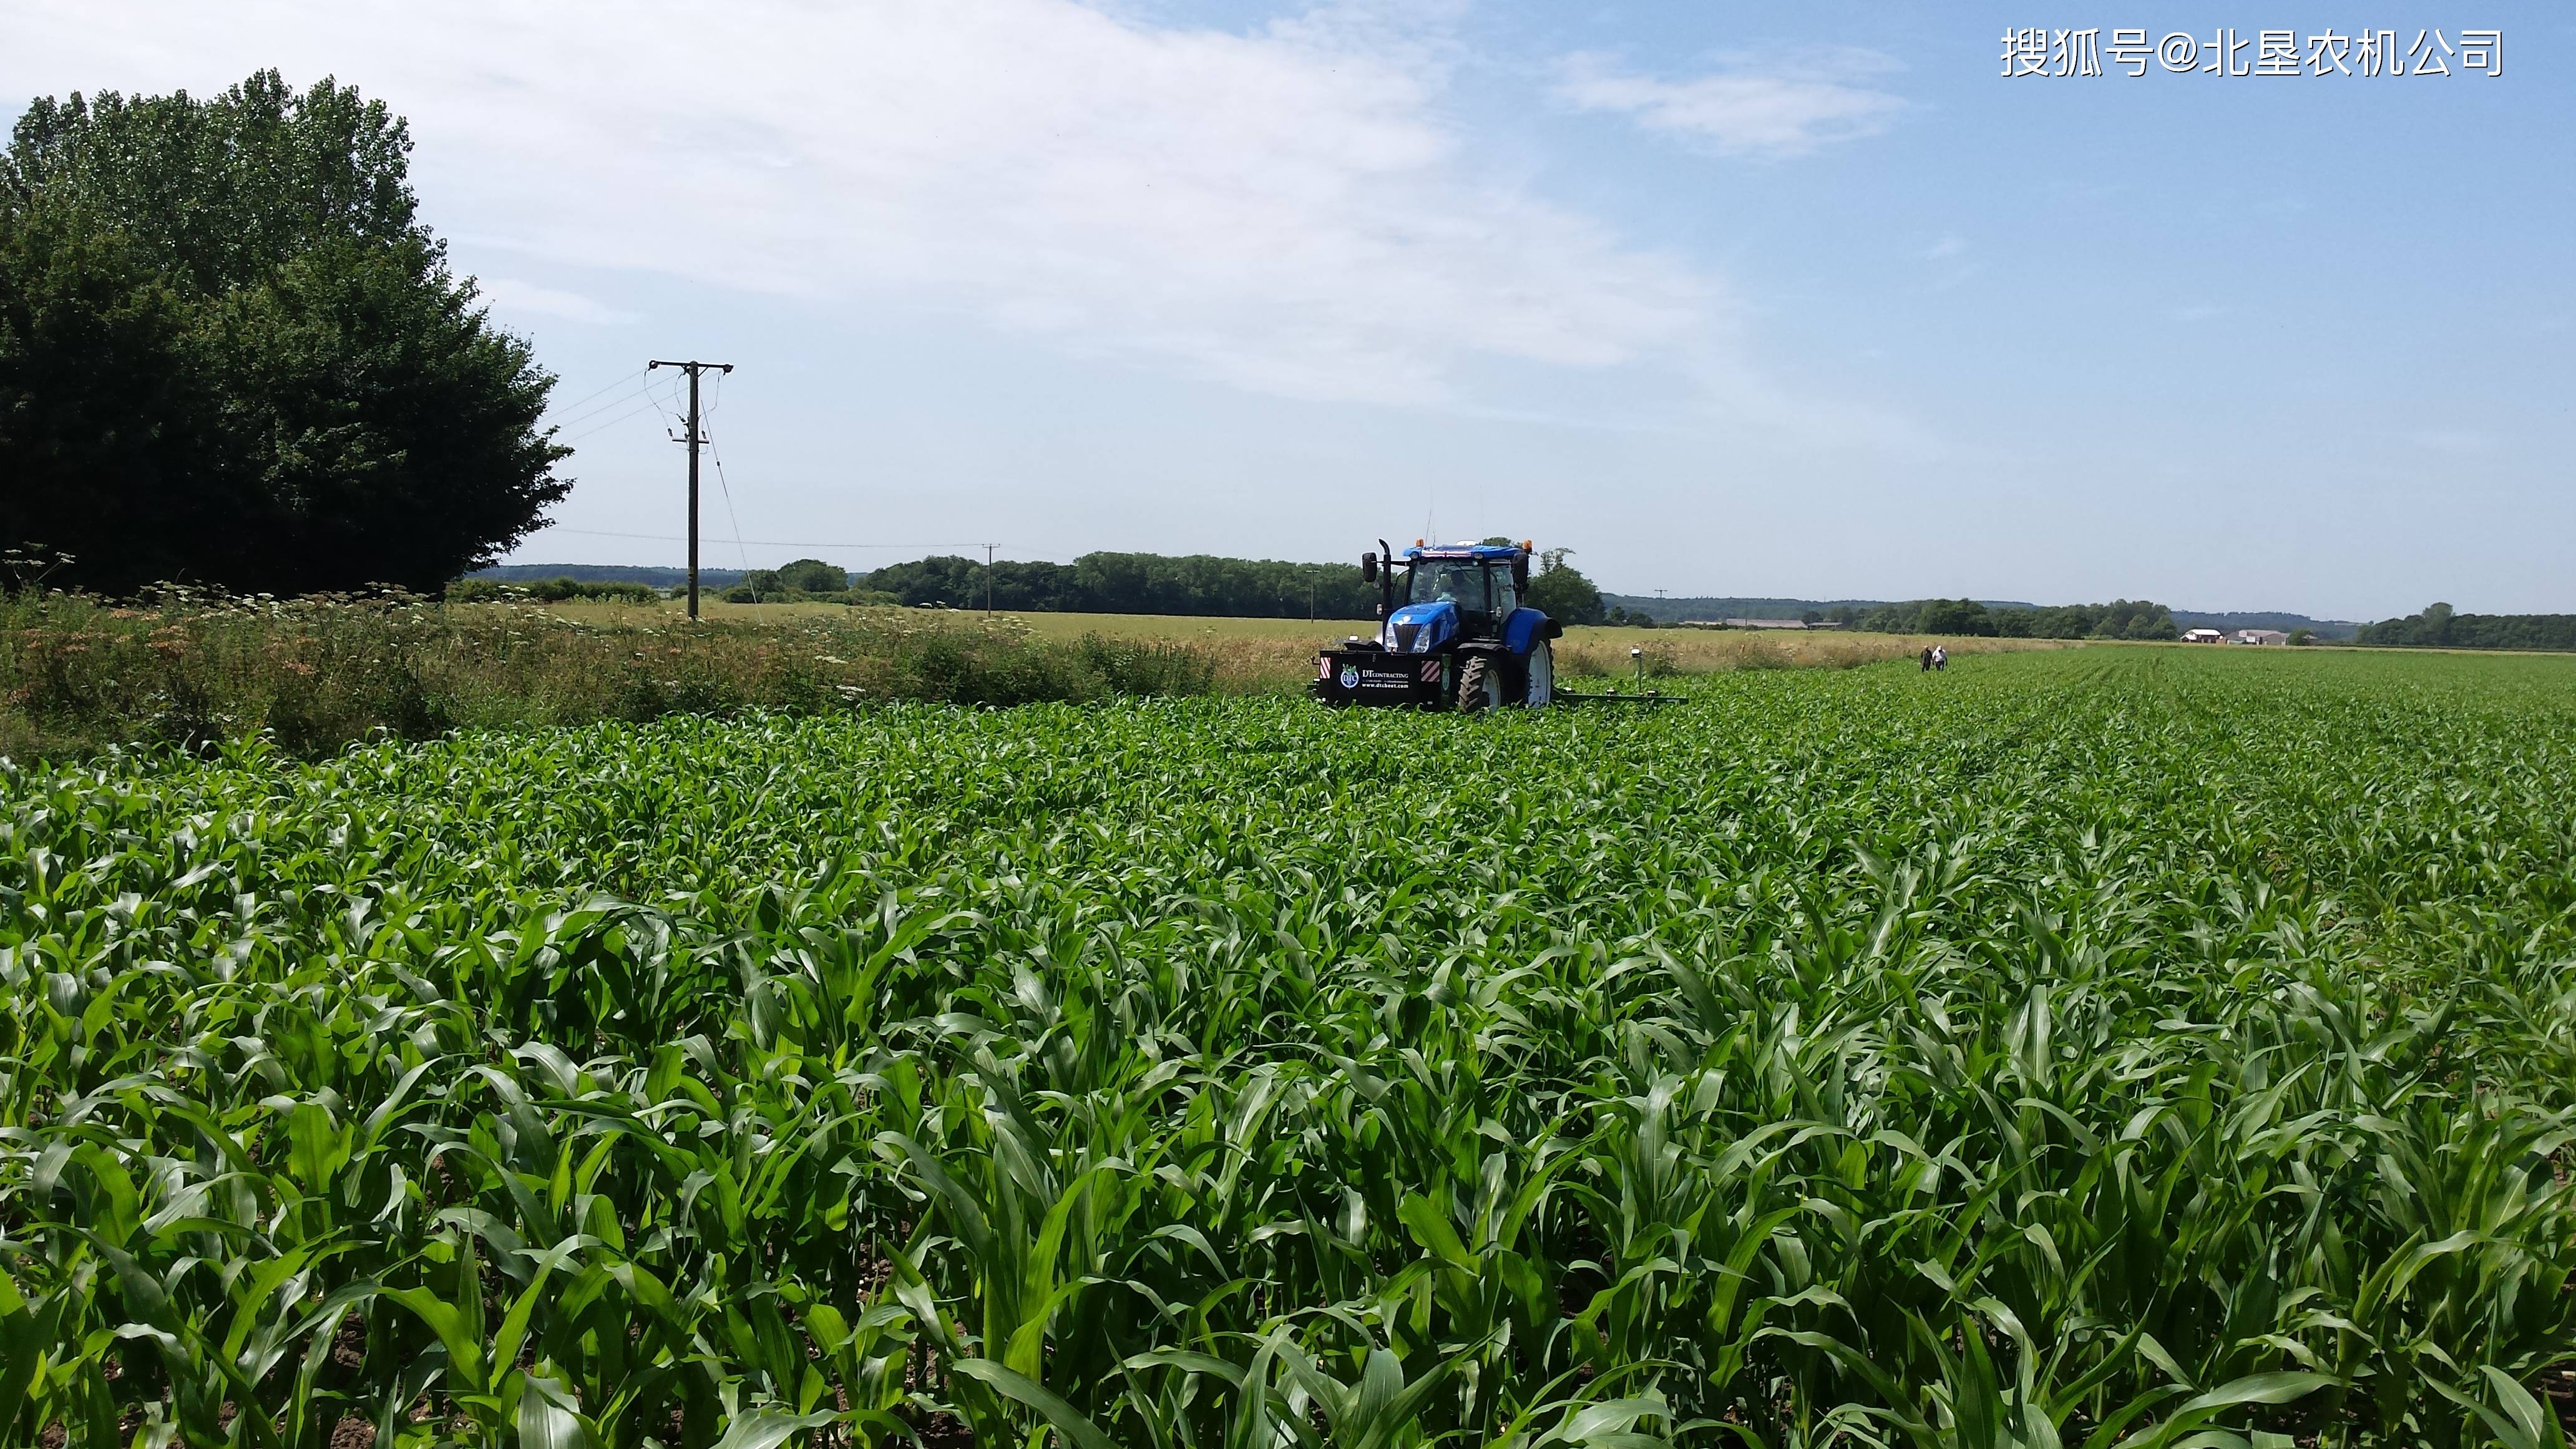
point(2104, 1047)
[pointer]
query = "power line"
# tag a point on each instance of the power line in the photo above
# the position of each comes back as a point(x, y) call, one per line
point(576, 403)
point(670, 419)
point(727, 488)
point(585, 414)
point(590, 415)
point(603, 427)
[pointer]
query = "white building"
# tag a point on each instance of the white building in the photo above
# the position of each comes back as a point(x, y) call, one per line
point(2203, 636)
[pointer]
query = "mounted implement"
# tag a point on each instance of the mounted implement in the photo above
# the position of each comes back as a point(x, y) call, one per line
point(1453, 634)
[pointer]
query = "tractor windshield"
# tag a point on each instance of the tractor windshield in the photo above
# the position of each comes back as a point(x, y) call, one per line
point(1457, 581)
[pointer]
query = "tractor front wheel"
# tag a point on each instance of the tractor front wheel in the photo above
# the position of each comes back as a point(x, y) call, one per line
point(1480, 689)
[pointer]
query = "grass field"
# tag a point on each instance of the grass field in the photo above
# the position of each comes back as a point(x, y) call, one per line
point(2108, 1046)
point(79, 676)
point(1266, 654)
point(1257, 655)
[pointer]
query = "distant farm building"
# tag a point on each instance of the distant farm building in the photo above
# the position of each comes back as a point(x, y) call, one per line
point(2203, 636)
point(2261, 636)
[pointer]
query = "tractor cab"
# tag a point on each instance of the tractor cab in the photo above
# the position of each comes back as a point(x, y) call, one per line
point(1450, 594)
point(1484, 591)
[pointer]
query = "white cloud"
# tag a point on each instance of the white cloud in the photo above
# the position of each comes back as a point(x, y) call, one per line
point(1949, 245)
point(508, 295)
point(1286, 210)
point(2198, 312)
point(1785, 111)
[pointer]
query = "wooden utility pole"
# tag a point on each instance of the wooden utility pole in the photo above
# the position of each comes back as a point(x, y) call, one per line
point(695, 439)
point(988, 576)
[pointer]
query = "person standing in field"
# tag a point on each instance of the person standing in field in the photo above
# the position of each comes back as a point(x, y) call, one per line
point(1940, 659)
point(1927, 658)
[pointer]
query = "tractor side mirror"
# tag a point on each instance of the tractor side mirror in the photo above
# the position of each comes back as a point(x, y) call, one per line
point(1368, 568)
point(1520, 574)
point(1381, 611)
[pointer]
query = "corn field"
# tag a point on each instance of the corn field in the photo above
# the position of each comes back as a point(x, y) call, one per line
point(2106, 1047)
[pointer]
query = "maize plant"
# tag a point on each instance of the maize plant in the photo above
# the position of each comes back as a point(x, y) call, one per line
point(2119, 1048)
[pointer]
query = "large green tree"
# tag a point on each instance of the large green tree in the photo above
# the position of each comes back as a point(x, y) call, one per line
point(231, 354)
point(1561, 592)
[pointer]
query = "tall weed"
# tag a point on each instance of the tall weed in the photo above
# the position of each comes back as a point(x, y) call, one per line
point(77, 675)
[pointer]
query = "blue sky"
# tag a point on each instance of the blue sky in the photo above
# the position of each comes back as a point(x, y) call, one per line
point(1730, 299)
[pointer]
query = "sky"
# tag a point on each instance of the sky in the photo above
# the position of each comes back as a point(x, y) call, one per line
point(1729, 299)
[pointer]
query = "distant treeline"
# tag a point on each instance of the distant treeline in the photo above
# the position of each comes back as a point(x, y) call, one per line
point(1096, 583)
point(552, 590)
point(660, 576)
point(1701, 607)
point(1201, 584)
point(1673, 611)
point(2440, 628)
point(1135, 583)
point(1968, 618)
point(2229, 623)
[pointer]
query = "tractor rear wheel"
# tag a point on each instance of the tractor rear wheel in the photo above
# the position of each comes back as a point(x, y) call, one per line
point(1540, 691)
point(1479, 688)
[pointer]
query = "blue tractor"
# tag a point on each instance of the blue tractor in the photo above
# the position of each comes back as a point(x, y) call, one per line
point(1452, 633)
